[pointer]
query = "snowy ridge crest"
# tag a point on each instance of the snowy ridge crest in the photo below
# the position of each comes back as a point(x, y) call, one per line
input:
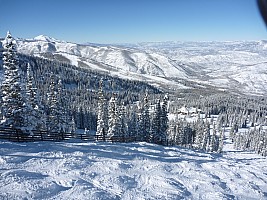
point(45, 38)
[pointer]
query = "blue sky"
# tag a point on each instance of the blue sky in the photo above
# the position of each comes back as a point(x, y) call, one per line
point(120, 21)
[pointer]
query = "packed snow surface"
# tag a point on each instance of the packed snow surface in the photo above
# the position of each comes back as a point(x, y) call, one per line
point(81, 170)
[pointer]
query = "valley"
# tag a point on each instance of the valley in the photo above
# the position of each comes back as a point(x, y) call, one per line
point(237, 67)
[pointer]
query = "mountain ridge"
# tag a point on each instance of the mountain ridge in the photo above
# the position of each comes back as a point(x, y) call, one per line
point(231, 65)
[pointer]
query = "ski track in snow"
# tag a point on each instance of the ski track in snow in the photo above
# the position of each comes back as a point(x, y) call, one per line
point(80, 170)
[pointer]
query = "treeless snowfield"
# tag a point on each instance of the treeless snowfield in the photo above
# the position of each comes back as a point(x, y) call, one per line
point(80, 170)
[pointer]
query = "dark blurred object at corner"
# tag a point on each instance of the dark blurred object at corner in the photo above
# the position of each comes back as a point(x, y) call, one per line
point(263, 9)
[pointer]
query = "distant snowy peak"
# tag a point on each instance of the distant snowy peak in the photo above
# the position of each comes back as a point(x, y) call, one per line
point(46, 38)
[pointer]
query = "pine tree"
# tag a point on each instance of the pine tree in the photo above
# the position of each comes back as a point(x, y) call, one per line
point(64, 118)
point(102, 122)
point(188, 134)
point(221, 138)
point(199, 133)
point(213, 144)
point(132, 125)
point(34, 115)
point(155, 133)
point(172, 133)
point(144, 120)
point(181, 133)
point(13, 102)
point(206, 136)
point(139, 123)
point(123, 128)
point(30, 88)
point(113, 128)
point(72, 125)
point(53, 107)
point(164, 119)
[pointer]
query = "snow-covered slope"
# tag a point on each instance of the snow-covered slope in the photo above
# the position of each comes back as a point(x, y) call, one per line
point(75, 170)
point(240, 65)
point(237, 66)
point(129, 63)
point(124, 59)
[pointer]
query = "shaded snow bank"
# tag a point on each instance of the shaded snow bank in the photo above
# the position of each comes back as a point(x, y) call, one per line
point(43, 170)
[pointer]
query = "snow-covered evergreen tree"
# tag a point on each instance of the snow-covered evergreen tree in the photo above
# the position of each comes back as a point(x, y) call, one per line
point(52, 123)
point(139, 123)
point(102, 119)
point(13, 102)
point(132, 123)
point(72, 125)
point(144, 120)
point(64, 118)
point(206, 135)
point(164, 119)
point(213, 141)
point(172, 133)
point(113, 125)
point(181, 132)
point(221, 138)
point(123, 127)
point(199, 133)
point(155, 132)
point(33, 110)
point(188, 134)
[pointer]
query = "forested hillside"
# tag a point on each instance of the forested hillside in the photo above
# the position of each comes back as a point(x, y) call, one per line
point(79, 87)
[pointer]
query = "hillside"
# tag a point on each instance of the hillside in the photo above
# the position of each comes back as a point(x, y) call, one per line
point(77, 170)
point(124, 62)
point(234, 66)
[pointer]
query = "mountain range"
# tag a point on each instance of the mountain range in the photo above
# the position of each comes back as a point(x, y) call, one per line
point(234, 66)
